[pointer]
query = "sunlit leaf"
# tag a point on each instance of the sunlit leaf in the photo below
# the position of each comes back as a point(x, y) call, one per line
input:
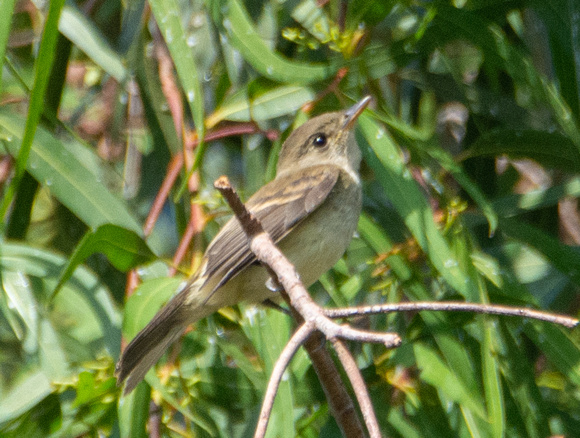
point(123, 248)
point(269, 64)
point(69, 180)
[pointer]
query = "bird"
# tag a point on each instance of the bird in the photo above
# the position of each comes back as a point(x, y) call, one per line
point(310, 209)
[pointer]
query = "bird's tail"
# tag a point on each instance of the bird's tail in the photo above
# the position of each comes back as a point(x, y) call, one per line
point(151, 342)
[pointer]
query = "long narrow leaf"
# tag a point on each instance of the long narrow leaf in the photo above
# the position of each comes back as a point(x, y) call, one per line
point(267, 63)
point(43, 66)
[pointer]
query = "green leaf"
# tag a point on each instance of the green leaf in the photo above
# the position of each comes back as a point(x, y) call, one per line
point(64, 171)
point(134, 412)
point(7, 7)
point(83, 309)
point(451, 347)
point(312, 18)
point(269, 64)
point(518, 372)
point(491, 375)
point(550, 149)
point(563, 257)
point(83, 33)
point(435, 372)
point(560, 17)
point(81, 324)
point(269, 332)
point(145, 301)
point(268, 105)
point(535, 199)
point(558, 347)
point(169, 21)
point(123, 248)
point(24, 396)
point(456, 170)
point(42, 68)
point(384, 157)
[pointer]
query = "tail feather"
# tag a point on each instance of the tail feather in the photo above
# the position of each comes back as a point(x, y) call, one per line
point(151, 342)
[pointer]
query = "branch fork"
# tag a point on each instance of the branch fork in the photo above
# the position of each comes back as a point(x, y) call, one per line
point(314, 319)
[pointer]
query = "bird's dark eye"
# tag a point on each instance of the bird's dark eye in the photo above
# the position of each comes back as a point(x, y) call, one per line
point(319, 140)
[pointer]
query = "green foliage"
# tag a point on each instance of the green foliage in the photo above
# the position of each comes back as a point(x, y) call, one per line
point(471, 155)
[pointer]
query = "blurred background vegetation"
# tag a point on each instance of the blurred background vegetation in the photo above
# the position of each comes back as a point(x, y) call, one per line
point(471, 160)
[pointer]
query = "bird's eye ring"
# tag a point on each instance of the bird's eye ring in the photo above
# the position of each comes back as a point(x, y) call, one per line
point(319, 140)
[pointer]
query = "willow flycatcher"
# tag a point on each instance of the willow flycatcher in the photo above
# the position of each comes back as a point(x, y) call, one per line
point(310, 209)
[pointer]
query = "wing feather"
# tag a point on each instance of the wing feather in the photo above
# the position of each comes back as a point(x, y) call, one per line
point(279, 207)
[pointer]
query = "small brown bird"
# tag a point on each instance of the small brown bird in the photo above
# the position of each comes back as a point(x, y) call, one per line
point(310, 209)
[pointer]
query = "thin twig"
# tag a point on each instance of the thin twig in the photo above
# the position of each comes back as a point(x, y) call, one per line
point(457, 306)
point(172, 173)
point(287, 354)
point(359, 386)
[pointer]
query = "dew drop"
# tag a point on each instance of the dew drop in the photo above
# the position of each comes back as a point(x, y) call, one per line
point(272, 286)
point(149, 48)
point(190, 95)
point(191, 40)
point(450, 263)
point(21, 280)
point(198, 20)
point(380, 134)
point(270, 69)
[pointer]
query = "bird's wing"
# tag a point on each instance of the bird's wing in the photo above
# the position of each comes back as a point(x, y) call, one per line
point(279, 207)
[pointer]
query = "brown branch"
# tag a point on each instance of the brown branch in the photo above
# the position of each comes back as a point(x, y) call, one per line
point(454, 306)
point(339, 400)
point(331, 88)
point(172, 173)
point(193, 228)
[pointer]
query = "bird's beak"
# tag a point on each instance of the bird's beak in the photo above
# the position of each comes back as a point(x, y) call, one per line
point(354, 111)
